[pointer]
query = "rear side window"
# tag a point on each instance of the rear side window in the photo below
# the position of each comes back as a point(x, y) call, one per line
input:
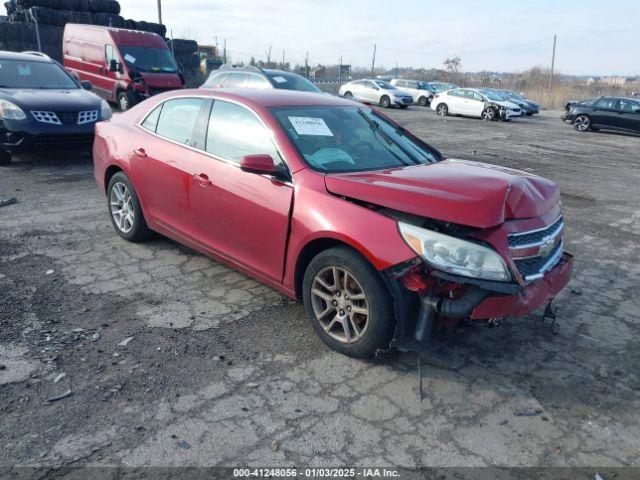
point(458, 93)
point(218, 80)
point(256, 81)
point(177, 119)
point(151, 122)
point(234, 132)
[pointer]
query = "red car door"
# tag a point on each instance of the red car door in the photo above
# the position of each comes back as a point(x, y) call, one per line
point(242, 216)
point(161, 162)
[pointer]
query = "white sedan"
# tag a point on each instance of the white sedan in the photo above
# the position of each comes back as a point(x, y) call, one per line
point(377, 92)
point(474, 102)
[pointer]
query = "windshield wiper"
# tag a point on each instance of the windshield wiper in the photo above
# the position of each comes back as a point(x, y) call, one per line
point(375, 127)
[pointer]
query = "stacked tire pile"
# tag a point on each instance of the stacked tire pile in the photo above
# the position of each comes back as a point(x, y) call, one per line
point(18, 28)
point(186, 54)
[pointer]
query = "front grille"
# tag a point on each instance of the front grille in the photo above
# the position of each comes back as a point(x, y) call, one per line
point(46, 117)
point(89, 116)
point(66, 118)
point(533, 268)
point(519, 240)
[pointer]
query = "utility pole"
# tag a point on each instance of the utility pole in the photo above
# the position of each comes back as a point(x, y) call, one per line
point(553, 65)
point(397, 70)
point(269, 57)
point(160, 12)
point(306, 65)
point(283, 59)
point(373, 62)
point(340, 73)
point(224, 51)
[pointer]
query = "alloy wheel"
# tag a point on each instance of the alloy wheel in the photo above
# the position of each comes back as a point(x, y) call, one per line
point(124, 103)
point(582, 123)
point(442, 110)
point(488, 114)
point(122, 207)
point(348, 95)
point(340, 304)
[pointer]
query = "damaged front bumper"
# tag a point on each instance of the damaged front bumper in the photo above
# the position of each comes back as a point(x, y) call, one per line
point(530, 297)
point(424, 298)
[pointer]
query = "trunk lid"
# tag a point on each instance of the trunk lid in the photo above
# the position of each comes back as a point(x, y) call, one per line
point(458, 191)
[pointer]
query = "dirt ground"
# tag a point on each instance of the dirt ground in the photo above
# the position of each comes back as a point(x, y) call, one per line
point(152, 355)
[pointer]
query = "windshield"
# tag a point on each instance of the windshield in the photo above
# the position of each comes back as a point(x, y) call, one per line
point(384, 85)
point(40, 75)
point(151, 60)
point(515, 95)
point(289, 81)
point(443, 87)
point(493, 96)
point(337, 139)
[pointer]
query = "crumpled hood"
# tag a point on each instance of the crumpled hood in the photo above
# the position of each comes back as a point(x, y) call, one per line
point(53, 100)
point(161, 80)
point(458, 191)
point(507, 104)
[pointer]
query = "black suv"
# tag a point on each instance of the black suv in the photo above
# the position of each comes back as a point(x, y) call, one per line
point(42, 107)
point(607, 113)
point(254, 77)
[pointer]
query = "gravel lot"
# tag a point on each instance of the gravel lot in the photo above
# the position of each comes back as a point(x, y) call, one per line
point(220, 370)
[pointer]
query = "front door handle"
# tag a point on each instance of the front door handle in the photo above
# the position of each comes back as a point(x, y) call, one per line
point(140, 152)
point(202, 179)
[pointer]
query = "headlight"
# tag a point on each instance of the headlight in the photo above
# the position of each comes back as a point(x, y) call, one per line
point(11, 111)
point(453, 255)
point(106, 112)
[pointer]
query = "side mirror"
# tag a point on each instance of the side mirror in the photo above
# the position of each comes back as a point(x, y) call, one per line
point(86, 84)
point(114, 66)
point(260, 163)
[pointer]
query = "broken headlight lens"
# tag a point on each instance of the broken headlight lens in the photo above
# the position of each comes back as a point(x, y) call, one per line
point(454, 255)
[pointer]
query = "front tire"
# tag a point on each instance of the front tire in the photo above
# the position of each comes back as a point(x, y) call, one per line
point(124, 101)
point(347, 303)
point(385, 101)
point(442, 110)
point(125, 210)
point(489, 114)
point(5, 157)
point(582, 123)
point(348, 95)
point(423, 101)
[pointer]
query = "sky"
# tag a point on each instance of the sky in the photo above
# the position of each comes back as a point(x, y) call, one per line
point(595, 37)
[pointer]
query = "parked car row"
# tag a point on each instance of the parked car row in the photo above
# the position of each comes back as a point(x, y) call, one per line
point(606, 113)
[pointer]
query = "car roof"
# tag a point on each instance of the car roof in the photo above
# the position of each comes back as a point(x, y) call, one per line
point(26, 57)
point(266, 97)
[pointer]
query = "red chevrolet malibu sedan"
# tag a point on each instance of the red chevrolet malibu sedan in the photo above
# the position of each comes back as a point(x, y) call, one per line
point(331, 202)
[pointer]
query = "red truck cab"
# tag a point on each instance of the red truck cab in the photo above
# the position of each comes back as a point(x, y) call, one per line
point(124, 66)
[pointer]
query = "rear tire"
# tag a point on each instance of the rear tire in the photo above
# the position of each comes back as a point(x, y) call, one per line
point(5, 157)
point(442, 110)
point(385, 101)
point(331, 305)
point(125, 210)
point(582, 123)
point(348, 95)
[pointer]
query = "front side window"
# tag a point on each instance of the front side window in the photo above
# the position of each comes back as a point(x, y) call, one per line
point(237, 80)
point(109, 54)
point(234, 131)
point(256, 81)
point(36, 75)
point(336, 139)
point(458, 93)
point(178, 118)
point(607, 104)
point(147, 59)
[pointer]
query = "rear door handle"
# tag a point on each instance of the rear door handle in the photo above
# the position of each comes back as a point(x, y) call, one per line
point(140, 152)
point(202, 179)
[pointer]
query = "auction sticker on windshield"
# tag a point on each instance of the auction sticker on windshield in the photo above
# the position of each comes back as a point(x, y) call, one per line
point(280, 79)
point(310, 126)
point(130, 58)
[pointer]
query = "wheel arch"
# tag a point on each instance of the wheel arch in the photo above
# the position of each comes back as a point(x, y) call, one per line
point(109, 173)
point(314, 248)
